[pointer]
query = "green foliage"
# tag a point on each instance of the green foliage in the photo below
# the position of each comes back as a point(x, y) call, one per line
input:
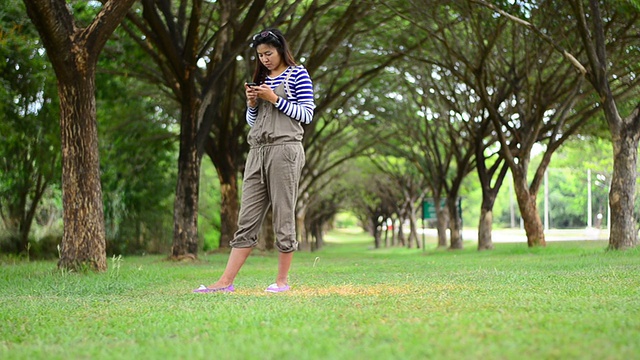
point(347, 302)
point(84, 11)
point(567, 187)
point(30, 146)
point(137, 154)
point(345, 220)
point(209, 207)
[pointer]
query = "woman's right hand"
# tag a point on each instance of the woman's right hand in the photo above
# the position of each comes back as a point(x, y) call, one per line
point(252, 97)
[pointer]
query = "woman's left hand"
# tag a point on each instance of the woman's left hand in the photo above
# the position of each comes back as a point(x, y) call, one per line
point(264, 92)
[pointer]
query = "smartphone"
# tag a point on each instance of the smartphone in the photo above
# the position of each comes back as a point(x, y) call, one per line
point(250, 84)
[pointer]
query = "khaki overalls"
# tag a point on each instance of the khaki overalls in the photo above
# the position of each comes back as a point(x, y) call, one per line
point(271, 176)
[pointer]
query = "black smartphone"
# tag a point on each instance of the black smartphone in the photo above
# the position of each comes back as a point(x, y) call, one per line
point(250, 84)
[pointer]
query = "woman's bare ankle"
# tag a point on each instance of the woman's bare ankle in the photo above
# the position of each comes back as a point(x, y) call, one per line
point(220, 284)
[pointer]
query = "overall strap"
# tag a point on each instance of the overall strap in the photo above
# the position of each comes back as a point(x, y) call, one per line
point(286, 84)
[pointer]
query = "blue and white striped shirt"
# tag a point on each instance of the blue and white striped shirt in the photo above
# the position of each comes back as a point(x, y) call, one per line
point(300, 104)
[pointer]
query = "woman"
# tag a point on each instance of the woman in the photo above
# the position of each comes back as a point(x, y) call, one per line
point(279, 102)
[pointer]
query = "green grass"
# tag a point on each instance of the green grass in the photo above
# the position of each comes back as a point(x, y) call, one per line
point(571, 300)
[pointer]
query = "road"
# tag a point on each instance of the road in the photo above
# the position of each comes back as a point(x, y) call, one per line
point(518, 235)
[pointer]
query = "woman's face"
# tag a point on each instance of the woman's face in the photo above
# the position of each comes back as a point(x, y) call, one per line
point(269, 56)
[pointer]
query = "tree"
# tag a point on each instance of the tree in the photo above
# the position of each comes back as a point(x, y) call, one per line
point(605, 65)
point(492, 170)
point(347, 65)
point(180, 38)
point(435, 137)
point(411, 184)
point(536, 102)
point(625, 132)
point(321, 211)
point(219, 128)
point(373, 198)
point(458, 40)
point(73, 50)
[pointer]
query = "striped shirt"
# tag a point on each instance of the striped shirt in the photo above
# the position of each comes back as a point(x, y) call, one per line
point(300, 104)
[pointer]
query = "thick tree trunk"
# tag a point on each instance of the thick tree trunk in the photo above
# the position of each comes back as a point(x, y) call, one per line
point(529, 212)
point(497, 170)
point(318, 234)
point(484, 229)
point(377, 231)
point(486, 220)
point(455, 225)
point(229, 208)
point(83, 239)
point(185, 207)
point(623, 233)
point(441, 225)
point(73, 52)
point(377, 235)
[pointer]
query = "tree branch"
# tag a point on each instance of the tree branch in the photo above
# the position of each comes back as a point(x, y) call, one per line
point(542, 35)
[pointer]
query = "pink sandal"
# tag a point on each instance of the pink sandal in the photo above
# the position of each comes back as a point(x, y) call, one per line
point(204, 289)
point(273, 288)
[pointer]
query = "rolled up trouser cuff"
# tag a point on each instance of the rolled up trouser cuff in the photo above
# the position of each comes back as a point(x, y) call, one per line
point(287, 245)
point(242, 242)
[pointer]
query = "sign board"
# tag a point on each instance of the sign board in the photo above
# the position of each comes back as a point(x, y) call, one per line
point(429, 208)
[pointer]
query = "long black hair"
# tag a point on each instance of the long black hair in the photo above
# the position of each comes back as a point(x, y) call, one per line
point(273, 37)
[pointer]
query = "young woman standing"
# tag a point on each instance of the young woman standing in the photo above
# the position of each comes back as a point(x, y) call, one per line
point(279, 101)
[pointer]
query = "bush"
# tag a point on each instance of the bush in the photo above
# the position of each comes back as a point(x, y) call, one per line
point(46, 247)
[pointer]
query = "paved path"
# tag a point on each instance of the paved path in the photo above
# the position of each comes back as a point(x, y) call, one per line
point(518, 235)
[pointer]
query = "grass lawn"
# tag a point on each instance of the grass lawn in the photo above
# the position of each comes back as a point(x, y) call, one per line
point(570, 300)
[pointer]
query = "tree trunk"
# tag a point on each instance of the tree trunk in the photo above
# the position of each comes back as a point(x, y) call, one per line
point(455, 224)
point(529, 212)
point(83, 239)
point(623, 233)
point(393, 232)
point(229, 208)
point(377, 230)
point(484, 229)
point(413, 225)
point(442, 222)
point(73, 52)
point(386, 236)
point(301, 229)
point(318, 234)
point(27, 220)
point(185, 207)
point(400, 240)
point(486, 219)
point(22, 211)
